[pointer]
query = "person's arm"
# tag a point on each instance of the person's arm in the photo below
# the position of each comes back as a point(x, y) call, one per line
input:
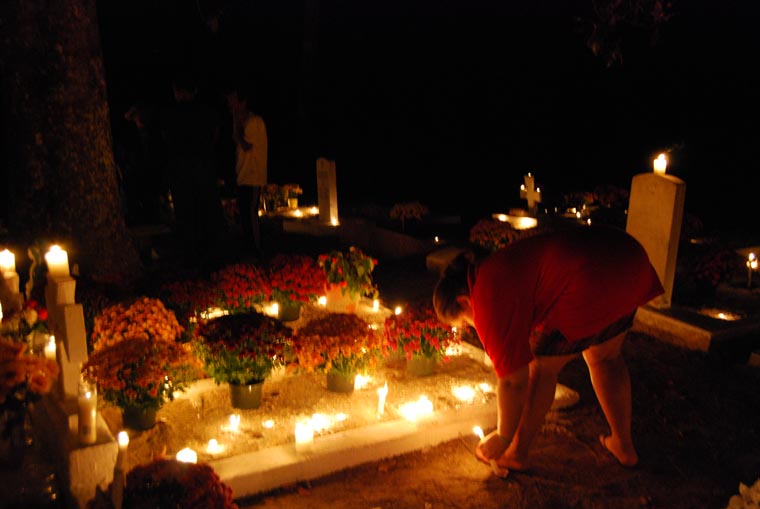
point(511, 395)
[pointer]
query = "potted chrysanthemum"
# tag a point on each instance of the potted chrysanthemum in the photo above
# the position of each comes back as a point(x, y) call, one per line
point(349, 278)
point(294, 279)
point(421, 337)
point(139, 374)
point(145, 317)
point(167, 482)
point(341, 345)
point(242, 350)
point(240, 287)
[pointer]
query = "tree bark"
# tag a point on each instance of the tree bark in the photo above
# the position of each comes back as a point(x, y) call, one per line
point(61, 174)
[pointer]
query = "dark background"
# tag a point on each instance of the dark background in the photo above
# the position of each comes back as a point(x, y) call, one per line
point(451, 103)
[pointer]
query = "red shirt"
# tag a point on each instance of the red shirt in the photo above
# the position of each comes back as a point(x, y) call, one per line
point(576, 281)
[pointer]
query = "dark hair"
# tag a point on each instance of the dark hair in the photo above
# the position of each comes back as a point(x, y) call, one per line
point(452, 283)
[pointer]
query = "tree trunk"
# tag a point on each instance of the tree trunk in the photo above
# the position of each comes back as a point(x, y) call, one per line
point(61, 173)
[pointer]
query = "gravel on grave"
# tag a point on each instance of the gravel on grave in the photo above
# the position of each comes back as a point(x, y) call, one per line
point(203, 411)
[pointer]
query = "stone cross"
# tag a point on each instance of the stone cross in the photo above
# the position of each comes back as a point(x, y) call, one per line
point(327, 191)
point(530, 192)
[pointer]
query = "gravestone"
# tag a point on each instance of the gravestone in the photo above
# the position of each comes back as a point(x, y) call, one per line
point(655, 213)
point(529, 192)
point(327, 191)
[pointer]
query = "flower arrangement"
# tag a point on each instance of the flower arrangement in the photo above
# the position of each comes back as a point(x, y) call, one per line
point(295, 278)
point(242, 348)
point(30, 319)
point(187, 299)
point(144, 318)
point(23, 380)
point(490, 234)
point(408, 210)
point(240, 286)
point(351, 270)
point(339, 342)
point(418, 333)
point(140, 372)
point(747, 498)
point(167, 482)
point(291, 191)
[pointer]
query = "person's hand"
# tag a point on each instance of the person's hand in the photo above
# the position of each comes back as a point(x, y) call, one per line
point(489, 444)
point(491, 447)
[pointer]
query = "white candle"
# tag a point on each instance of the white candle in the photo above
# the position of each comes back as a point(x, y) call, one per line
point(187, 455)
point(57, 262)
point(50, 349)
point(376, 305)
point(304, 436)
point(214, 447)
point(660, 164)
point(7, 261)
point(494, 466)
point(121, 460)
point(382, 392)
point(87, 400)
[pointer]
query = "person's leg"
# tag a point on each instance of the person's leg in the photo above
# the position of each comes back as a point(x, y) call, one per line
point(541, 389)
point(612, 385)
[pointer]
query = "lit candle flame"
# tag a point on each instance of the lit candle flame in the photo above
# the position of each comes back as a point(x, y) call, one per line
point(187, 455)
point(660, 164)
point(214, 447)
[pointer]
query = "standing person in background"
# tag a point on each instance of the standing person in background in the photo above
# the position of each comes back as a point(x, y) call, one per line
point(190, 132)
point(249, 133)
point(537, 304)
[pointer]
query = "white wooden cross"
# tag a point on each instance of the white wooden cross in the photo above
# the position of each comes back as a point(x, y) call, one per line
point(530, 192)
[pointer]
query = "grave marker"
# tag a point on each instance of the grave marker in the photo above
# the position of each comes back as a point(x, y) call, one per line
point(327, 191)
point(531, 193)
point(655, 213)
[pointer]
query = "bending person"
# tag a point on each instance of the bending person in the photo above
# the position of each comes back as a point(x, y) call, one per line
point(537, 304)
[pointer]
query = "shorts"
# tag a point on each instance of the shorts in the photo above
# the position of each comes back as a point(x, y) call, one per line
point(554, 343)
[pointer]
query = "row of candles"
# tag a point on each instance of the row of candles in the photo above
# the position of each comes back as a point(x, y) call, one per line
point(306, 429)
point(56, 259)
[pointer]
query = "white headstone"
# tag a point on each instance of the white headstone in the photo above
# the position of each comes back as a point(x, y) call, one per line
point(655, 214)
point(66, 321)
point(529, 191)
point(327, 191)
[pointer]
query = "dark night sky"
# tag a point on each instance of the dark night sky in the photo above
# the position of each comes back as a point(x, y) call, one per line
point(483, 90)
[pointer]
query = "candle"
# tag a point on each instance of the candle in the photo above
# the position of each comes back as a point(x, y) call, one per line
point(494, 466)
point(214, 447)
point(304, 436)
point(121, 460)
point(187, 455)
point(381, 394)
point(119, 475)
point(87, 400)
point(751, 265)
point(50, 348)
point(376, 305)
point(57, 262)
point(660, 164)
point(7, 261)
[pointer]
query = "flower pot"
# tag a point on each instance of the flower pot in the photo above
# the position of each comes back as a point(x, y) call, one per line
point(138, 418)
point(289, 311)
point(338, 382)
point(339, 303)
point(246, 396)
point(421, 365)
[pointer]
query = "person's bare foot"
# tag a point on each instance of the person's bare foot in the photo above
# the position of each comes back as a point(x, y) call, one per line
point(625, 458)
point(512, 462)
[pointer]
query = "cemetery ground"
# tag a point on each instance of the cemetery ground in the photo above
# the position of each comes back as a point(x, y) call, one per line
point(694, 422)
